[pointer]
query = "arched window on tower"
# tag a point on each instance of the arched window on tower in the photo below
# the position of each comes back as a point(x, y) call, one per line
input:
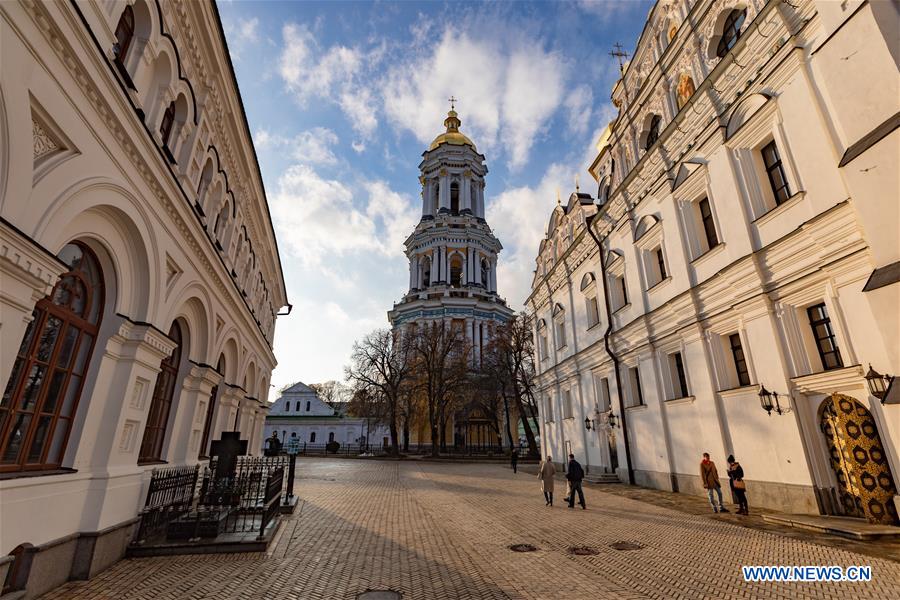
point(435, 197)
point(43, 389)
point(426, 273)
point(124, 35)
point(473, 197)
point(168, 122)
point(456, 271)
point(454, 198)
point(484, 273)
point(731, 31)
point(653, 132)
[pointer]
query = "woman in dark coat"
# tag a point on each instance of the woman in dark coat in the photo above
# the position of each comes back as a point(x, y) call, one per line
point(738, 487)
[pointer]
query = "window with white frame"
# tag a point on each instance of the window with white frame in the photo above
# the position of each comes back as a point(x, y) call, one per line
point(615, 280)
point(678, 387)
point(559, 324)
point(543, 350)
point(649, 240)
point(738, 359)
point(764, 161)
point(601, 391)
point(591, 305)
point(636, 395)
point(700, 222)
point(824, 337)
point(567, 404)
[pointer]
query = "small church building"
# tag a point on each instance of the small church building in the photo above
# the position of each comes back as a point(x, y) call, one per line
point(300, 414)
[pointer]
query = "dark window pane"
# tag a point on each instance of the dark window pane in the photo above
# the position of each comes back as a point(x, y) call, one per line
point(29, 332)
point(84, 352)
point(16, 438)
point(65, 350)
point(12, 383)
point(48, 339)
point(53, 391)
point(40, 437)
point(32, 387)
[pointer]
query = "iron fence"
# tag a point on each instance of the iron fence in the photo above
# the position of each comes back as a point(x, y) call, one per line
point(170, 495)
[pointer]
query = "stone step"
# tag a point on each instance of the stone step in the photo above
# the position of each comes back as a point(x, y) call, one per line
point(602, 478)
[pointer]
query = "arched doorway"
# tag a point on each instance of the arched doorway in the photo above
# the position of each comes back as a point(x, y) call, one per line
point(865, 485)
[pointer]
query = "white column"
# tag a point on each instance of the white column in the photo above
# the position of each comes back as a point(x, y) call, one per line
point(432, 275)
point(412, 273)
point(492, 275)
point(444, 196)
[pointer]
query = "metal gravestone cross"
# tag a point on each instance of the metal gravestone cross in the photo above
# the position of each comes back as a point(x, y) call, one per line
point(226, 450)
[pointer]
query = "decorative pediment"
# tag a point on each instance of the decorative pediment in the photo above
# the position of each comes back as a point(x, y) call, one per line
point(646, 223)
point(685, 170)
point(744, 111)
point(50, 146)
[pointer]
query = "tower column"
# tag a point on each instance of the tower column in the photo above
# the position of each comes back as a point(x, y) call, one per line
point(492, 275)
point(432, 276)
point(466, 197)
point(444, 196)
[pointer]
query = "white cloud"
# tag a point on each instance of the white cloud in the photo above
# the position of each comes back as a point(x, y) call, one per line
point(318, 219)
point(313, 146)
point(578, 104)
point(506, 99)
point(358, 147)
point(332, 75)
point(247, 29)
point(519, 217)
point(608, 10)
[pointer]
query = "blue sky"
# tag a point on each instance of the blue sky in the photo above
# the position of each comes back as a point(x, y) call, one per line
point(343, 98)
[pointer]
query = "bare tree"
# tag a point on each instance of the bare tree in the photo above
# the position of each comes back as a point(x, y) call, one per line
point(333, 393)
point(440, 352)
point(380, 363)
point(510, 359)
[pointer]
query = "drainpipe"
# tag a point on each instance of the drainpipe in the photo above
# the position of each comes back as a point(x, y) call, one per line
point(612, 355)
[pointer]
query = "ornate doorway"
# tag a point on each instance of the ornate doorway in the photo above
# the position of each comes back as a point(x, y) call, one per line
point(865, 485)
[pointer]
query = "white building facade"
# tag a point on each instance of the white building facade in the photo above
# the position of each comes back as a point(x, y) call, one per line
point(744, 240)
point(140, 273)
point(300, 415)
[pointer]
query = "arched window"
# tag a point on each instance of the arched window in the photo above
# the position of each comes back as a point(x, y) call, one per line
point(473, 196)
point(456, 271)
point(731, 31)
point(426, 273)
point(42, 393)
point(297, 407)
point(454, 198)
point(307, 406)
point(559, 322)
point(210, 410)
point(221, 222)
point(287, 406)
point(312, 437)
point(653, 132)
point(161, 404)
point(330, 436)
point(168, 122)
point(484, 273)
point(124, 34)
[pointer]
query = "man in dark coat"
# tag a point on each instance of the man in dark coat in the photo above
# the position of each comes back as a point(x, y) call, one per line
point(574, 474)
point(514, 459)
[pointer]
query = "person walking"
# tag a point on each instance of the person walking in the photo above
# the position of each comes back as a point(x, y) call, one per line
point(738, 486)
point(574, 474)
point(709, 477)
point(514, 460)
point(546, 474)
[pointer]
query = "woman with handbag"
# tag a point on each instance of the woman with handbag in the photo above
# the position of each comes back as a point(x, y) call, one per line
point(738, 486)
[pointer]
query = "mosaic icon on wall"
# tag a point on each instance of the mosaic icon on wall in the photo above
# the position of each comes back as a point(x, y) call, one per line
point(865, 484)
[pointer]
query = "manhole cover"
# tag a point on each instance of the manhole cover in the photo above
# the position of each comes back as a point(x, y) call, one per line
point(379, 595)
point(625, 546)
point(522, 548)
point(582, 551)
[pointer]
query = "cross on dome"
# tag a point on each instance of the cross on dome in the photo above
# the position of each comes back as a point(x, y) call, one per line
point(452, 100)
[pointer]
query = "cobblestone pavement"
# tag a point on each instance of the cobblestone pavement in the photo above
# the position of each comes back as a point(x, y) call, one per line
point(434, 531)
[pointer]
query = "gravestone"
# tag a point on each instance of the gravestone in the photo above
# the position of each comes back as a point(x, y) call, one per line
point(226, 450)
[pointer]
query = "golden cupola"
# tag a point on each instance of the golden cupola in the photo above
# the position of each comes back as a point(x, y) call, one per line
point(452, 135)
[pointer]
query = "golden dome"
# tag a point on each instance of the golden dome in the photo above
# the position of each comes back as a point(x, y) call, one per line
point(452, 135)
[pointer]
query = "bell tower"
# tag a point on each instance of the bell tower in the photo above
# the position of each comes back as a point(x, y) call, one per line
point(452, 252)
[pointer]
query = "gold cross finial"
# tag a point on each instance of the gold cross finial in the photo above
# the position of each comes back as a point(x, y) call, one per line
point(620, 54)
point(452, 100)
point(577, 189)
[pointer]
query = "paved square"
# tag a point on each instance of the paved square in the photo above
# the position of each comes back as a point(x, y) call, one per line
point(434, 531)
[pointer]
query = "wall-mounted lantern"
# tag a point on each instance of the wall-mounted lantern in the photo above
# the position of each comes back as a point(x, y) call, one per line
point(878, 383)
point(769, 401)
